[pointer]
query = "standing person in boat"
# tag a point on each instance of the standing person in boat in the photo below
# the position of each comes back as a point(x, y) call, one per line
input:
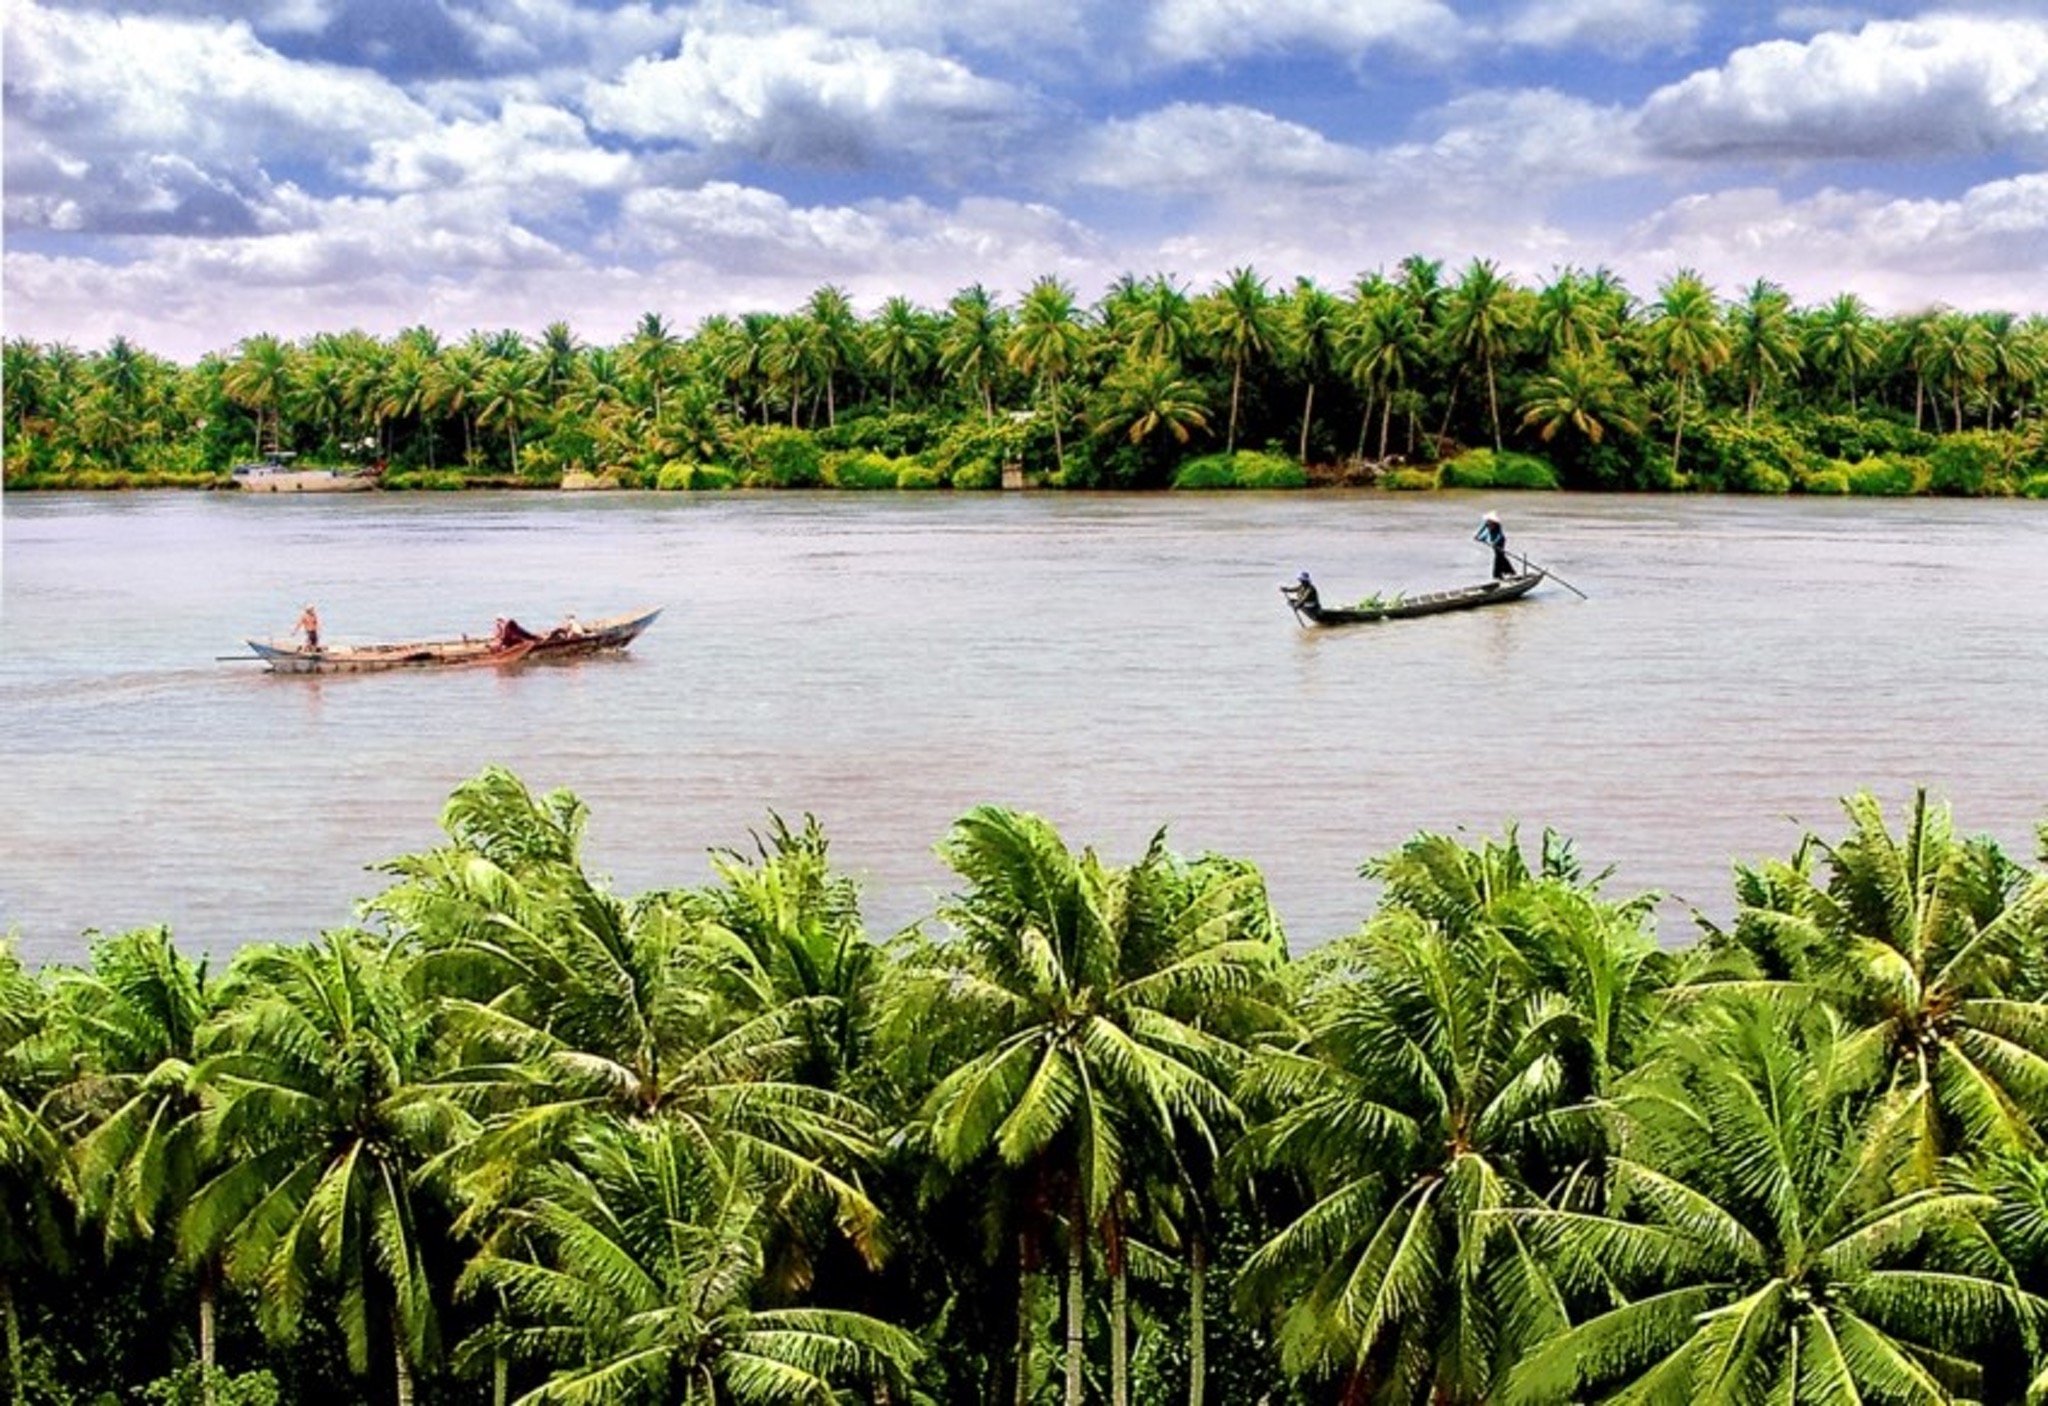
point(309, 626)
point(1495, 536)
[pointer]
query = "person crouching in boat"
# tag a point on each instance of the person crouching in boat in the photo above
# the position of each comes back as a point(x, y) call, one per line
point(1495, 536)
point(1302, 595)
point(507, 632)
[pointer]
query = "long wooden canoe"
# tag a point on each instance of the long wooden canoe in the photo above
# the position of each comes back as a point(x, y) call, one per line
point(563, 642)
point(1507, 588)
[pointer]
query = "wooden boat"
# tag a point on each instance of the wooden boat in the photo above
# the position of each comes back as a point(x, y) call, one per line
point(276, 475)
point(566, 641)
point(1507, 588)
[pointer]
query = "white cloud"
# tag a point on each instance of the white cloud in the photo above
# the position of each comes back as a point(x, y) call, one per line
point(800, 95)
point(1024, 30)
point(757, 240)
point(1945, 86)
point(1623, 28)
point(208, 91)
point(1201, 31)
point(1196, 149)
point(537, 148)
point(1988, 249)
point(545, 33)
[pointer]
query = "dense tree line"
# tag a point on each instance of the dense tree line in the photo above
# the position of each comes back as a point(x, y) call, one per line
point(1579, 381)
point(1094, 1137)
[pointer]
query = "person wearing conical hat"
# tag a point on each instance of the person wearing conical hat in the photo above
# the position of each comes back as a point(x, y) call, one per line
point(1495, 536)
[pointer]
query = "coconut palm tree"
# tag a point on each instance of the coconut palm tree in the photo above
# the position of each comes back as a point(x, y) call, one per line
point(1929, 947)
point(561, 352)
point(317, 1061)
point(1158, 321)
point(1689, 341)
point(1955, 357)
point(1046, 343)
point(633, 1266)
point(652, 352)
point(1449, 1054)
point(1842, 342)
point(1481, 315)
point(1144, 399)
point(1311, 330)
point(1075, 990)
point(1763, 342)
point(134, 1016)
point(1569, 319)
point(1756, 1245)
point(1587, 395)
point(1239, 319)
point(902, 344)
point(260, 378)
point(509, 395)
point(1382, 347)
point(782, 930)
point(971, 344)
point(835, 339)
point(561, 1001)
point(35, 1180)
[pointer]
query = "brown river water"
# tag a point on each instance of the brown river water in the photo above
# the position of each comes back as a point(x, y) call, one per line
point(1115, 663)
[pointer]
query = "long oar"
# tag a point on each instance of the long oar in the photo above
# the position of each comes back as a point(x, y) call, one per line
point(1526, 564)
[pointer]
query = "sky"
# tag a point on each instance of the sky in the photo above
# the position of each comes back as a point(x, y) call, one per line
point(188, 173)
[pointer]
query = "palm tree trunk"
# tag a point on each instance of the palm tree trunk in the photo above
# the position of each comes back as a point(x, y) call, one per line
point(1236, 385)
point(501, 1378)
point(1493, 405)
point(1386, 424)
point(1022, 1356)
point(1308, 410)
point(208, 1292)
point(1119, 1316)
point(1198, 1288)
point(1678, 437)
point(1077, 1257)
point(404, 1368)
point(11, 1322)
point(1059, 448)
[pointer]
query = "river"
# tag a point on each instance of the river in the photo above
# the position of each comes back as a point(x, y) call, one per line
point(1115, 663)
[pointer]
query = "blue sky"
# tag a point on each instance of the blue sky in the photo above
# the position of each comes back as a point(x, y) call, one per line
point(190, 172)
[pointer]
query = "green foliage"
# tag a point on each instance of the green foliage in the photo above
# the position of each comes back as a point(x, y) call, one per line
point(861, 469)
point(1487, 468)
point(1472, 1152)
point(1830, 481)
point(676, 476)
point(899, 434)
point(1737, 456)
point(2035, 486)
point(1864, 435)
point(1409, 480)
point(1970, 465)
point(192, 1385)
point(1473, 469)
point(1525, 471)
point(917, 477)
point(1882, 477)
point(976, 474)
point(972, 452)
point(1247, 468)
point(776, 456)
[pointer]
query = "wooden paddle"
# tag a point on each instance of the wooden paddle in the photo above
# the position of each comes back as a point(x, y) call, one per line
point(1528, 565)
